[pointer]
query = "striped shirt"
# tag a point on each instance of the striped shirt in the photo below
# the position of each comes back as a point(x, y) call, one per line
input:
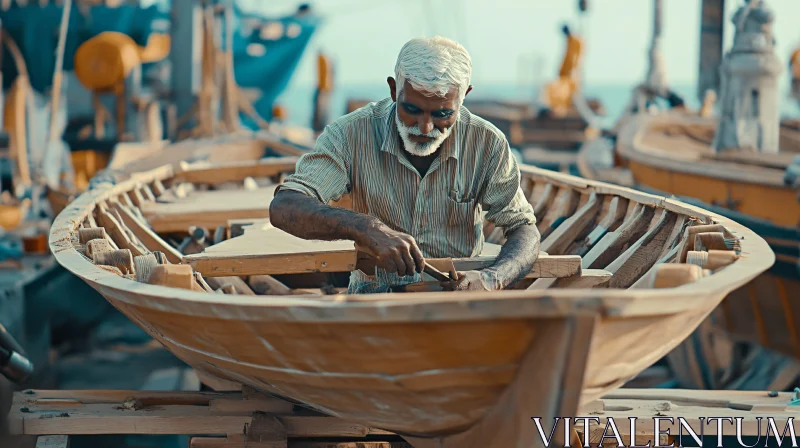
point(361, 154)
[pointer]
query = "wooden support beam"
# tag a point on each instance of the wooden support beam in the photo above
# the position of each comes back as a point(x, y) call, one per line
point(149, 412)
point(238, 171)
point(238, 264)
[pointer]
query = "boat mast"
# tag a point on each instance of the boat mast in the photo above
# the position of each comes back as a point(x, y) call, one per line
point(712, 14)
point(656, 73)
point(186, 29)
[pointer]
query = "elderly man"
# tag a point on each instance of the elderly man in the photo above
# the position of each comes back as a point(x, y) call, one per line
point(420, 168)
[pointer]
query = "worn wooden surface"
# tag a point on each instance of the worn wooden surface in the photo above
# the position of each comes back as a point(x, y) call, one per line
point(63, 412)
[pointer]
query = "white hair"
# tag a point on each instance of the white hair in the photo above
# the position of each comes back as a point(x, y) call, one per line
point(434, 65)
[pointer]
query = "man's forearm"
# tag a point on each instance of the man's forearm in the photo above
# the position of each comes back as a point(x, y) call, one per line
point(517, 255)
point(306, 217)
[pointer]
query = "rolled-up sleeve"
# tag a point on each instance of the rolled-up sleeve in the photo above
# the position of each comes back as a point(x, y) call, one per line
point(503, 199)
point(323, 173)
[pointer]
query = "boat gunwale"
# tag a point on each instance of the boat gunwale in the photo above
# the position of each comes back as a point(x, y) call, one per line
point(630, 145)
point(422, 306)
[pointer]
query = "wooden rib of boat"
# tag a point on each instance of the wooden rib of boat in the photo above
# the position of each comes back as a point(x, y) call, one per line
point(619, 284)
point(670, 154)
point(133, 157)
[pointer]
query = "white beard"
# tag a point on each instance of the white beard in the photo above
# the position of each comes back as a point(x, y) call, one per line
point(420, 149)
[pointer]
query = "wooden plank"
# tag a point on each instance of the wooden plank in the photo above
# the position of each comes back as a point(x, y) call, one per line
point(612, 214)
point(237, 171)
point(589, 278)
point(643, 254)
point(612, 244)
point(563, 206)
point(132, 417)
point(569, 230)
point(237, 264)
point(208, 209)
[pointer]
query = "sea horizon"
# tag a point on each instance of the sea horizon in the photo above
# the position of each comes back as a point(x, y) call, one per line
point(297, 99)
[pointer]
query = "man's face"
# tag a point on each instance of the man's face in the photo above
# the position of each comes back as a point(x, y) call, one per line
point(424, 122)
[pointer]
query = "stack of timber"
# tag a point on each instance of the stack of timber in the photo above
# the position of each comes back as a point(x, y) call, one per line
point(622, 279)
point(248, 418)
point(672, 154)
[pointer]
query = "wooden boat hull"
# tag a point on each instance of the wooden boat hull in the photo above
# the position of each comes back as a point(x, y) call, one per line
point(766, 310)
point(758, 193)
point(444, 369)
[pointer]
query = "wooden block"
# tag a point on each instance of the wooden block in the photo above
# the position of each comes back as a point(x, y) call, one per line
point(98, 246)
point(85, 235)
point(120, 259)
point(672, 275)
point(144, 264)
point(175, 276)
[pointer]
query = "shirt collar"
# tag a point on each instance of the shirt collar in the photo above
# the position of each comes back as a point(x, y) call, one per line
point(451, 147)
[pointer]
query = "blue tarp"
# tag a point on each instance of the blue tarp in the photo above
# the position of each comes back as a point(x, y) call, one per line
point(272, 71)
point(266, 50)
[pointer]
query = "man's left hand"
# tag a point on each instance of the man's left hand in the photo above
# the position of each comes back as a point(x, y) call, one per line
point(471, 281)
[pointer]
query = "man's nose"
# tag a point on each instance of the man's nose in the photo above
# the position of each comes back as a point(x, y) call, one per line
point(425, 125)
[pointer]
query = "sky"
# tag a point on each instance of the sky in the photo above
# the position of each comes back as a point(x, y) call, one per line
point(518, 41)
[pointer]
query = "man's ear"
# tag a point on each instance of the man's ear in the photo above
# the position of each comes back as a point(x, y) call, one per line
point(392, 88)
point(468, 90)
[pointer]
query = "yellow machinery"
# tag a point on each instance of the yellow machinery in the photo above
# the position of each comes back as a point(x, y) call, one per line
point(558, 93)
point(102, 64)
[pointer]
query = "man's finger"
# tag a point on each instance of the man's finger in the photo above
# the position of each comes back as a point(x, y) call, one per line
point(388, 265)
point(398, 261)
point(416, 254)
point(453, 273)
point(448, 286)
point(409, 263)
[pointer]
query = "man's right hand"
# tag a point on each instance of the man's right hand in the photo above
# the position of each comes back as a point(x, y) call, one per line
point(393, 251)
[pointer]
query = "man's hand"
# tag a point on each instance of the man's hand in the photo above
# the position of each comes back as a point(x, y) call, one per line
point(473, 281)
point(393, 251)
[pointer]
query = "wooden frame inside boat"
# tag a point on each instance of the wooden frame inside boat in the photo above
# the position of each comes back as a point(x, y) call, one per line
point(441, 369)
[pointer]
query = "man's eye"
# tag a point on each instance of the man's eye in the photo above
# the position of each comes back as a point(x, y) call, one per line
point(411, 109)
point(442, 114)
